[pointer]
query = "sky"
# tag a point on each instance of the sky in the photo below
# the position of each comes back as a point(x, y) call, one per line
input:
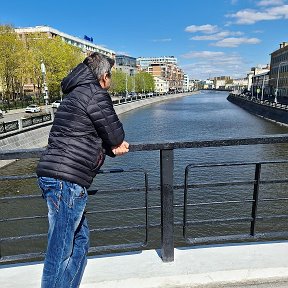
point(209, 38)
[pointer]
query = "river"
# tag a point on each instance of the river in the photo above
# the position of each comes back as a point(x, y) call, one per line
point(202, 116)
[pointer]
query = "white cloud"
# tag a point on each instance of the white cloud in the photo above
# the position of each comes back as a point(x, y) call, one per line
point(207, 29)
point(162, 40)
point(235, 42)
point(270, 2)
point(203, 54)
point(250, 16)
point(205, 64)
point(217, 36)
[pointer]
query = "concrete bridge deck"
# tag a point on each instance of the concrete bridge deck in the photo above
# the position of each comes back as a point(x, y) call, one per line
point(259, 265)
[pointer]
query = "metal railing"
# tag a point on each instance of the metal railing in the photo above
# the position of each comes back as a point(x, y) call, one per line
point(143, 96)
point(252, 219)
point(265, 102)
point(17, 125)
point(167, 191)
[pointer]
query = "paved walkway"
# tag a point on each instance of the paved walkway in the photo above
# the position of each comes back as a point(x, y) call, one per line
point(203, 266)
point(270, 284)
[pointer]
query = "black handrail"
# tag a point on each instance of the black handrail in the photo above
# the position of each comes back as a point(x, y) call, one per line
point(167, 188)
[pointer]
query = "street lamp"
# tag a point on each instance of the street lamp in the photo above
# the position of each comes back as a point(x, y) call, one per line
point(126, 85)
point(276, 91)
point(46, 97)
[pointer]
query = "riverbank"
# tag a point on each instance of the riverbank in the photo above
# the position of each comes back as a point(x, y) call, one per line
point(123, 108)
point(38, 137)
point(270, 111)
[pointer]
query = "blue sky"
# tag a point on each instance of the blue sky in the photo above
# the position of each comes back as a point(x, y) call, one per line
point(209, 38)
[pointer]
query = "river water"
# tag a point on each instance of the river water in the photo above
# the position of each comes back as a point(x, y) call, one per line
point(202, 116)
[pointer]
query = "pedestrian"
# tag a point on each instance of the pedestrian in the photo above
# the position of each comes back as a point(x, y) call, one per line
point(85, 130)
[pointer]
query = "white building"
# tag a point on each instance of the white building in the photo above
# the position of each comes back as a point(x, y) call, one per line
point(193, 84)
point(161, 85)
point(144, 62)
point(185, 83)
point(255, 71)
point(86, 46)
point(208, 84)
point(220, 83)
point(238, 85)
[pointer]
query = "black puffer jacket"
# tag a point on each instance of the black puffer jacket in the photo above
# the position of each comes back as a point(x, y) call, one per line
point(84, 130)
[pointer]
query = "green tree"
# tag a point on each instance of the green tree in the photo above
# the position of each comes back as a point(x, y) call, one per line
point(59, 58)
point(118, 82)
point(144, 82)
point(12, 56)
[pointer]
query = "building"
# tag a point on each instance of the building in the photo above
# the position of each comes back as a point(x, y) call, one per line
point(161, 85)
point(165, 68)
point(86, 44)
point(126, 64)
point(238, 85)
point(144, 62)
point(193, 84)
point(185, 83)
point(278, 79)
point(208, 84)
point(170, 72)
point(221, 81)
point(260, 86)
point(255, 71)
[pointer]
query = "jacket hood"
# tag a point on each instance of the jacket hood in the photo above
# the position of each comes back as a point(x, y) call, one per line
point(80, 75)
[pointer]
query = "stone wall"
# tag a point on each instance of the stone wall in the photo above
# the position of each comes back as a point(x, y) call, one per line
point(276, 114)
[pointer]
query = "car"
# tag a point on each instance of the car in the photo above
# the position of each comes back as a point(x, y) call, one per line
point(56, 104)
point(32, 108)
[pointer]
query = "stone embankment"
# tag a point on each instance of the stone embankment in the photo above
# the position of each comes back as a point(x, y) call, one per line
point(271, 111)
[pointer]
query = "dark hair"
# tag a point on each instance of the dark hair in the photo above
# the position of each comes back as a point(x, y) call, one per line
point(99, 64)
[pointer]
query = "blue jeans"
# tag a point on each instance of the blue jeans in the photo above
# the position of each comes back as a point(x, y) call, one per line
point(68, 234)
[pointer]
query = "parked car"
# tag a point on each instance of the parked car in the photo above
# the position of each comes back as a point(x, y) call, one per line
point(33, 108)
point(56, 104)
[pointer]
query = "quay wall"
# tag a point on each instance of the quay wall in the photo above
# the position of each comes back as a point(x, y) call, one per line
point(277, 113)
point(38, 137)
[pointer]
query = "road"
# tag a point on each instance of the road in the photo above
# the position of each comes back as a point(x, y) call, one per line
point(16, 114)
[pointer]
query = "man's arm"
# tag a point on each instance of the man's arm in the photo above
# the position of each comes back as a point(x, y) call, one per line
point(106, 121)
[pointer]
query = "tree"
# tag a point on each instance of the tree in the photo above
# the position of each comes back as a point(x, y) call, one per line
point(12, 56)
point(59, 58)
point(144, 82)
point(118, 82)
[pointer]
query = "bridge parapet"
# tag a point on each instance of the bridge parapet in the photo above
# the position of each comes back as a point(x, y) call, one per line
point(167, 208)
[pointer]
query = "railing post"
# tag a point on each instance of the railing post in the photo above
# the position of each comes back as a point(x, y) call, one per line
point(20, 125)
point(255, 198)
point(167, 214)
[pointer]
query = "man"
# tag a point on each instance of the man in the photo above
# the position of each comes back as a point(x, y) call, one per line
point(85, 129)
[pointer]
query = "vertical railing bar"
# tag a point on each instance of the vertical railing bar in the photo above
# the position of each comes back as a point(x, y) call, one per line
point(146, 203)
point(185, 203)
point(167, 213)
point(255, 198)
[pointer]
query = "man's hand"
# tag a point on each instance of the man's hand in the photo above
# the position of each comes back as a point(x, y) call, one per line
point(121, 149)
